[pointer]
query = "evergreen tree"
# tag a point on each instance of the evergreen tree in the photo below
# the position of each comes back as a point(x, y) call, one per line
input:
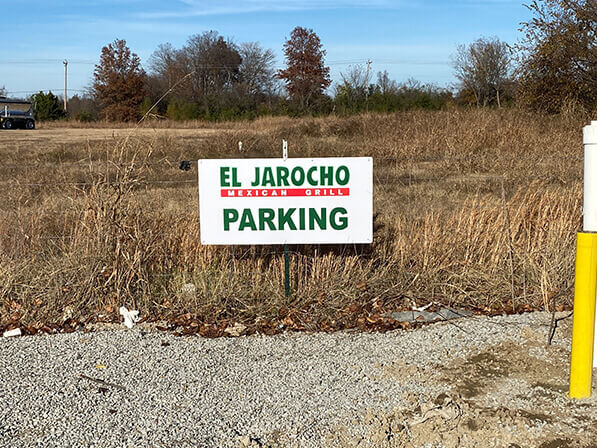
point(47, 106)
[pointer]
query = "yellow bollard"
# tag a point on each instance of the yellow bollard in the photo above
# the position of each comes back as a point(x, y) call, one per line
point(583, 323)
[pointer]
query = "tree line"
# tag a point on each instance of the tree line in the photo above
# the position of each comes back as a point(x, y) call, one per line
point(212, 78)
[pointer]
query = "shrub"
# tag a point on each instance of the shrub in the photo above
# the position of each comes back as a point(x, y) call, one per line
point(180, 110)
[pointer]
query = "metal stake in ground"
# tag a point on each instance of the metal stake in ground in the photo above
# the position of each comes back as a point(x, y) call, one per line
point(286, 271)
point(286, 251)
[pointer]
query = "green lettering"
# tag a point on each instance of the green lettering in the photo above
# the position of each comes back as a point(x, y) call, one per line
point(230, 215)
point(235, 182)
point(342, 175)
point(286, 218)
point(224, 182)
point(310, 179)
point(247, 220)
point(341, 222)
point(256, 181)
point(313, 216)
point(326, 174)
point(298, 175)
point(282, 174)
point(266, 216)
point(268, 177)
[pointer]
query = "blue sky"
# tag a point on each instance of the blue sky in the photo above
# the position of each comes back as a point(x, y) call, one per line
point(409, 39)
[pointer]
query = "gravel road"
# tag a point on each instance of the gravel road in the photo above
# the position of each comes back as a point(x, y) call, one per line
point(477, 381)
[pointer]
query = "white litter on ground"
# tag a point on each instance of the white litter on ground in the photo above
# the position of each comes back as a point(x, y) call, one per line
point(130, 317)
point(12, 333)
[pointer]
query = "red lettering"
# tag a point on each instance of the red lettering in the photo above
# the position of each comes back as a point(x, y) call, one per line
point(283, 192)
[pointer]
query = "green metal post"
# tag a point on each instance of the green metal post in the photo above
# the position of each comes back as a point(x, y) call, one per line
point(286, 270)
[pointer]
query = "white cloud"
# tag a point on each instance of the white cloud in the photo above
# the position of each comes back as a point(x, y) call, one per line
point(195, 8)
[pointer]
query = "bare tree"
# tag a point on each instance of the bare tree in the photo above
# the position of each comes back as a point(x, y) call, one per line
point(257, 68)
point(483, 68)
point(211, 65)
point(356, 79)
point(352, 92)
point(164, 64)
point(214, 62)
point(385, 84)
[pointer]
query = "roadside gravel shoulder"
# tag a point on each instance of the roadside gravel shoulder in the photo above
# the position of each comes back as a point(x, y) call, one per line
point(477, 381)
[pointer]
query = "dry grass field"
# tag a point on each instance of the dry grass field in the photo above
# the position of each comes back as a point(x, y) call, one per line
point(475, 209)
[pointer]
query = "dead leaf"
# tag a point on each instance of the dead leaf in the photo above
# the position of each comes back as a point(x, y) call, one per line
point(209, 331)
point(374, 318)
point(355, 307)
point(378, 304)
point(236, 330)
point(287, 321)
point(188, 331)
point(28, 329)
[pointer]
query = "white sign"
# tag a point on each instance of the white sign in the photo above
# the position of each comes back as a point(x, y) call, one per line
point(295, 201)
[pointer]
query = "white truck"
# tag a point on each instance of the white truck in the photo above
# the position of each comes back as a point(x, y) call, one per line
point(16, 114)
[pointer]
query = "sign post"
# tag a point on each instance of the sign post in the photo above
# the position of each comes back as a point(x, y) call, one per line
point(286, 201)
point(286, 250)
point(286, 270)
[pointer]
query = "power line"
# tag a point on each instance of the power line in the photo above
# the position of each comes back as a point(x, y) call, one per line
point(410, 62)
point(329, 62)
point(46, 90)
point(387, 61)
point(46, 61)
point(338, 62)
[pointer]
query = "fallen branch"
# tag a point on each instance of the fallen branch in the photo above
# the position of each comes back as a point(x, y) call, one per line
point(102, 382)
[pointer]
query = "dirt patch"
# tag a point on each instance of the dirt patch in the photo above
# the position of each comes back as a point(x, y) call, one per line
point(43, 137)
point(482, 372)
point(498, 397)
point(454, 423)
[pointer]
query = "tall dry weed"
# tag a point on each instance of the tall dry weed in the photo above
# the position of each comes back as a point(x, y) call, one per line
point(472, 208)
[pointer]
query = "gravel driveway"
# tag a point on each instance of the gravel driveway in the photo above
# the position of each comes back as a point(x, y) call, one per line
point(472, 382)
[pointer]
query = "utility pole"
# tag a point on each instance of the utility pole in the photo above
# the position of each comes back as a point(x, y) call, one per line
point(65, 89)
point(367, 85)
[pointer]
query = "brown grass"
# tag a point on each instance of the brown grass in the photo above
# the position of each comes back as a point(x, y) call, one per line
point(472, 208)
